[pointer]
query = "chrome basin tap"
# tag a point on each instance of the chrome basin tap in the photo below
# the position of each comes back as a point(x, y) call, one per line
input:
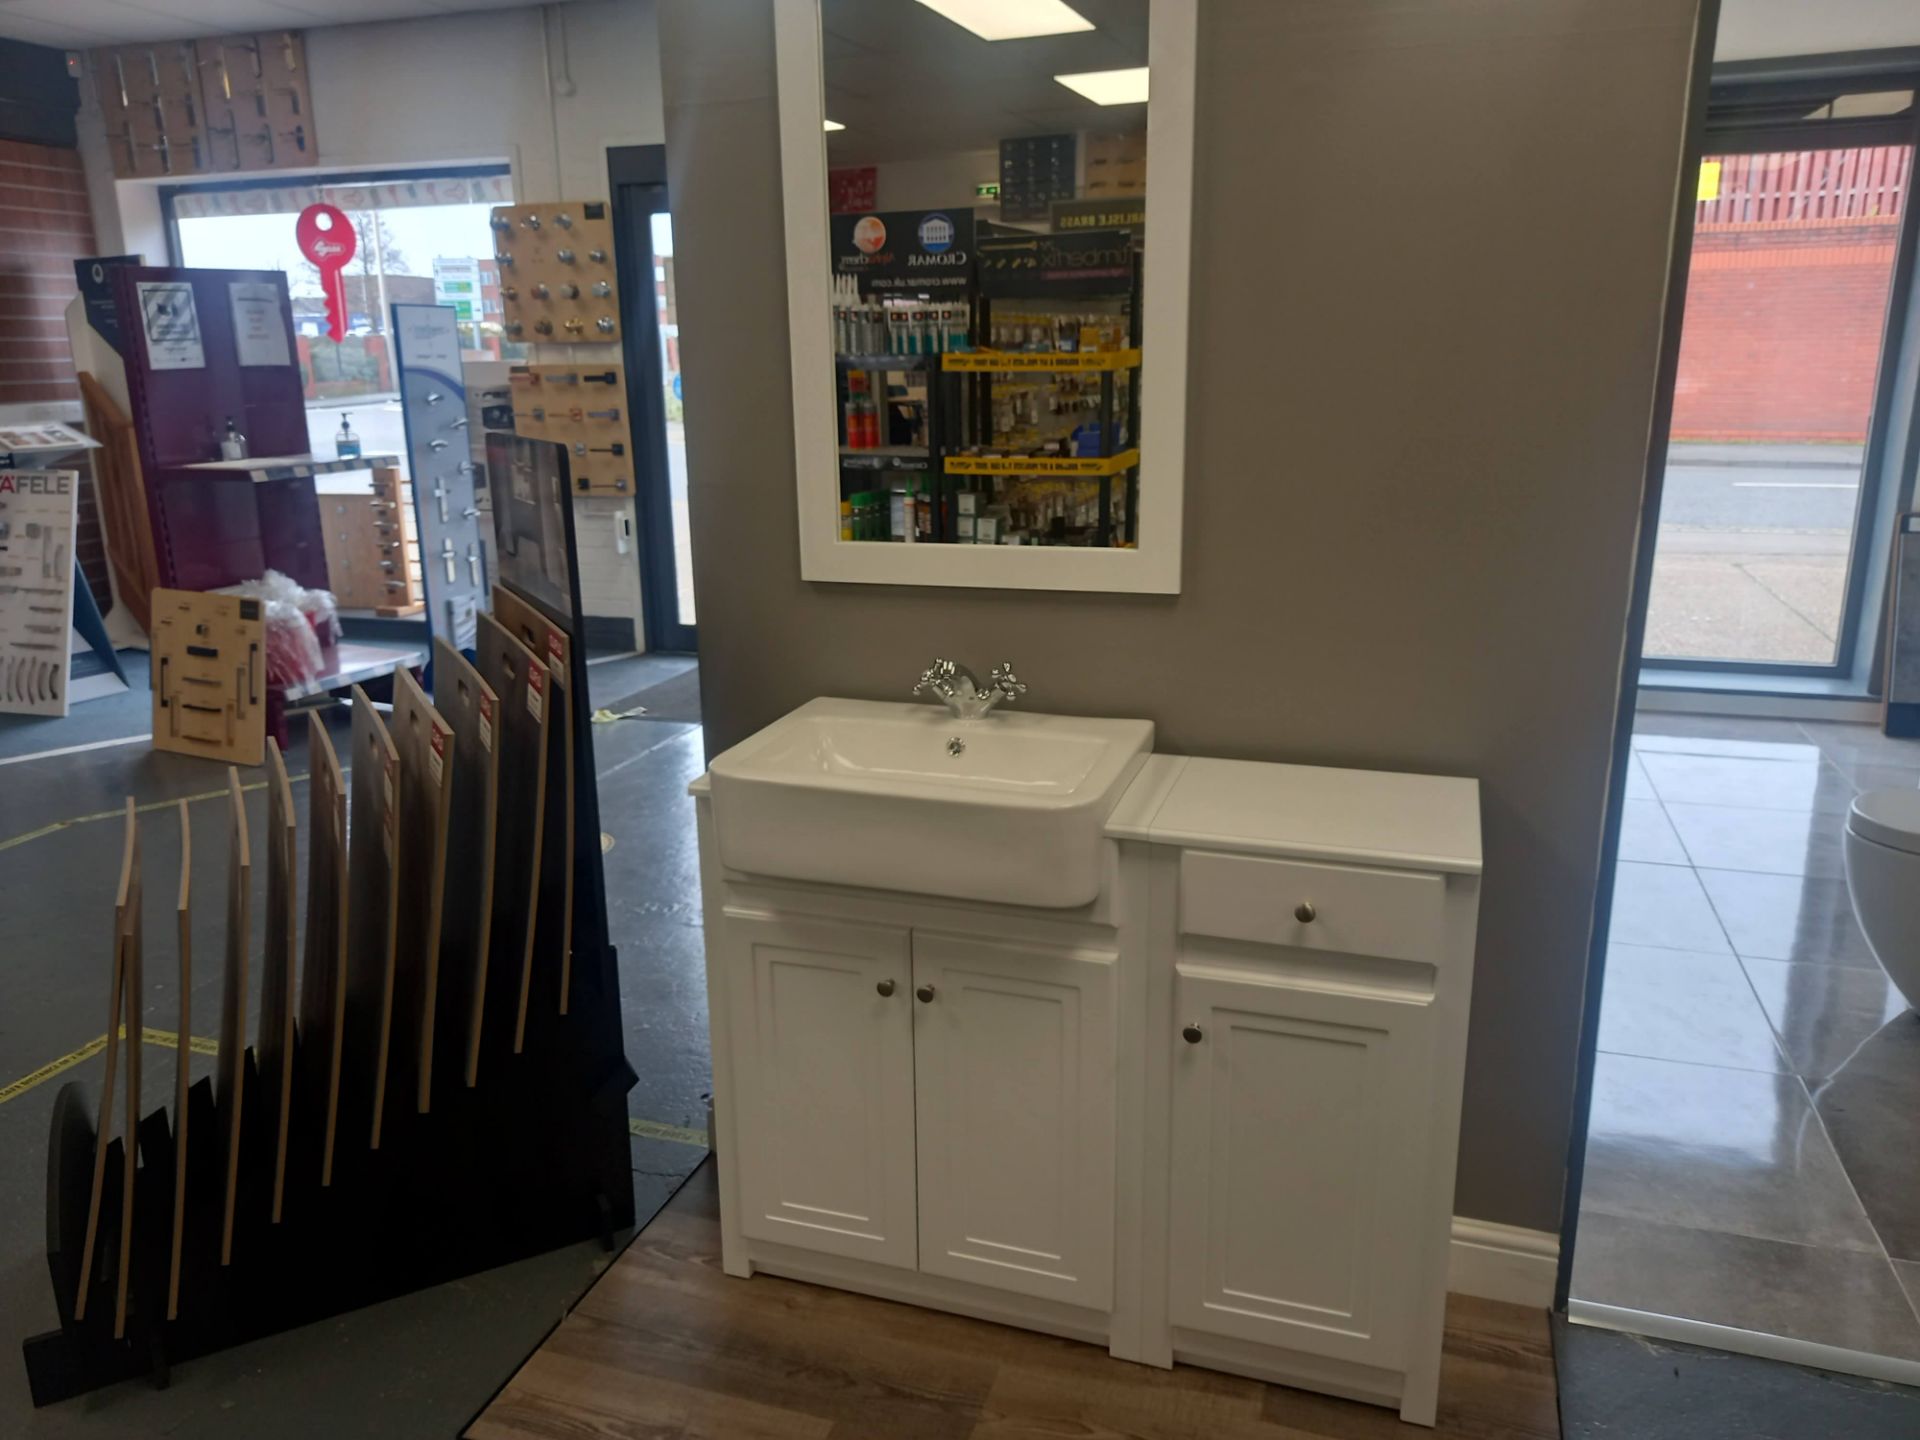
point(961, 691)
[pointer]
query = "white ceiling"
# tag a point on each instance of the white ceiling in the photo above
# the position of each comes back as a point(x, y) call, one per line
point(1759, 29)
point(82, 24)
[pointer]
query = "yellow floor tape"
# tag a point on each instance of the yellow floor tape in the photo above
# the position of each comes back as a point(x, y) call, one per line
point(677, 1134)
point(169, 1039)
point(57, 826)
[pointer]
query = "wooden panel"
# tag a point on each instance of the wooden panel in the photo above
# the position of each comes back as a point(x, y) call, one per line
point(472, 709)
point(557, 279)
point(1395, 914)
point(230, 1080)
point(133, 1016)
point(323, 976)
point(520, 679)
point(823, 1063)
point(1014, 1096)
point(373, 910)
point(209, 676)
point(1298, 1117)
point(103, 1127)
point(425, 745)
point(275, 1047)
point(126, 523)
point(554, 922)
point(183, 1053)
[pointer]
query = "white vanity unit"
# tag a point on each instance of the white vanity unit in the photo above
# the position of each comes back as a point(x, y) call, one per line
point(1013, 1018)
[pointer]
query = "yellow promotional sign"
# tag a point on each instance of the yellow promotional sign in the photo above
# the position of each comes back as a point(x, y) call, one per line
point(1709, 180)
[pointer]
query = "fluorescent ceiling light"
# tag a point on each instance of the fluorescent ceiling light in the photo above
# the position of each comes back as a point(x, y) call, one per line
point(834, 125)
point(1011, 19)
point(1109, 87)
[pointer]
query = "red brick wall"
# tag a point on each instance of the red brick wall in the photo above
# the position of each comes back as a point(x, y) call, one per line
point(44, 227)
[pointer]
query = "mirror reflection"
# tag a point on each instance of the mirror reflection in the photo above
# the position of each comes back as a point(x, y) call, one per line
point(986, 189)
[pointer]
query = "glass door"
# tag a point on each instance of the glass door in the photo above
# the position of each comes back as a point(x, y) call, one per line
point(1768, 483)
point(644, 229)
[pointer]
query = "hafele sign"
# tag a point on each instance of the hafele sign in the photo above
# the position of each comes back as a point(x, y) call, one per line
point(907, 252)
point(1084, 263)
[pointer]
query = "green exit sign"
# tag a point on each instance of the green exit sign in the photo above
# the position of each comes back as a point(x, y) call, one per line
point(989, 190)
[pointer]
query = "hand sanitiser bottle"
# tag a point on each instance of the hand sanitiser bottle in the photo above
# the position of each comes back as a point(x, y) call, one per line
point(346, 444)
point(233, 445)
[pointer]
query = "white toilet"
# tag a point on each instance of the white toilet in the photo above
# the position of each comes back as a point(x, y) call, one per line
point(1883, 877)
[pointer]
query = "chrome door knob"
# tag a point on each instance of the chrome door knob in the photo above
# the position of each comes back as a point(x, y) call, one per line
point(1304, 912)
point(1191, 1034)
point(885, 987)
point(925, 992)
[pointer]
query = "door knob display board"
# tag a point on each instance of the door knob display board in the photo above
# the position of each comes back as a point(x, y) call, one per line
point(433, 402)
point(558, 285)
point(446, 1027)
point(584, 408)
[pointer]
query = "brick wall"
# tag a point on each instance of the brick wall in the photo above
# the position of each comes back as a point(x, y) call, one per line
point(44, 228)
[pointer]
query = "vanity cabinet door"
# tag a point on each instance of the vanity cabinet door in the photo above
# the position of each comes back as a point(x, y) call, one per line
point(1014, 1067)
point(822, 1063)
point(1300, 1165)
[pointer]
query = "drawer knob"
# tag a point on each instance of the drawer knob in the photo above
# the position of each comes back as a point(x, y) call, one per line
point(1304, 912)
point(885, 987)
point(1191, 1034)
point(925, 992)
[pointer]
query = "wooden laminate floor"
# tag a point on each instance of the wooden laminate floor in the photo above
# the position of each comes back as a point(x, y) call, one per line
point(667, 1345)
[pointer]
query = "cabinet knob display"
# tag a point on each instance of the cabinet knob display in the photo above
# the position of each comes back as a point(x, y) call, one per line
point(925, 992)
point(1191, 1033)
point(1304, 912)
point(885, 987)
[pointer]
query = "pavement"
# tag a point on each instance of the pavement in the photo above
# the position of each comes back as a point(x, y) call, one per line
point(1751, 560)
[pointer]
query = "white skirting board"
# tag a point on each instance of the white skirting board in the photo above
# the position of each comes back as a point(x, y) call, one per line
point(1502, 1262)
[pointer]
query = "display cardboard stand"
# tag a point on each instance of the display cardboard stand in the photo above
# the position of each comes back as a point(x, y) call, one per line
point(533, 1155)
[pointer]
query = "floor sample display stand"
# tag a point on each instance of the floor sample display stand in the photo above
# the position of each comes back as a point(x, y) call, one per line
point(327, 1173)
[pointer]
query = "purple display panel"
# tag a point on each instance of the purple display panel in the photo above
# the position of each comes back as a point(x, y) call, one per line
point(208, 526)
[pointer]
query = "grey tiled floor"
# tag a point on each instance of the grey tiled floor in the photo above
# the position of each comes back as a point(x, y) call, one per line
point(1751, 1159)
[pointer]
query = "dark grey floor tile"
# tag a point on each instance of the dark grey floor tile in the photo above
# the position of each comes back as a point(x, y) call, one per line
point(1677, 1005)
point(1774, 842)
point(1616, 1386)
point(1788, 917)
point(1717, 1149)
point(1870, 1105)
point(1803, 784)
point(1822, 1013)
point(1663, 906)
point(1847, 744)
point(1846, 1298)
point(1647, 835)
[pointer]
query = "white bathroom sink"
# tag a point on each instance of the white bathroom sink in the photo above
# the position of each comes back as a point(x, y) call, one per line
point(856, 792)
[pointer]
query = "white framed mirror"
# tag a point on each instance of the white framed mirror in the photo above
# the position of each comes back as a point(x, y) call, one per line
point(989, 379)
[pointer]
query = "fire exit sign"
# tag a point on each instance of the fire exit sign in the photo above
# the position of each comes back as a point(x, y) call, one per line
point(987, 190)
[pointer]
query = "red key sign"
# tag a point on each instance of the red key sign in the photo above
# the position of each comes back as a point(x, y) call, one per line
point(326, 237)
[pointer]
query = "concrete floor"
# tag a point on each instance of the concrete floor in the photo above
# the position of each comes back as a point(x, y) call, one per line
point(418, 1366)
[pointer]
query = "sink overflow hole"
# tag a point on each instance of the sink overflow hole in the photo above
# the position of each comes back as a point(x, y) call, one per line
point(955, 745)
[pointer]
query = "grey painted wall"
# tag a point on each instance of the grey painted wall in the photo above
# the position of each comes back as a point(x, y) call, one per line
point(1429, 263)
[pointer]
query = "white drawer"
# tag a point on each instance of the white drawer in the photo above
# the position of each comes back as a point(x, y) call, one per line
point(1394, 914)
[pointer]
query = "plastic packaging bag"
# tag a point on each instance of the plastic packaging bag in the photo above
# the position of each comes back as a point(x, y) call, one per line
point(301, 625)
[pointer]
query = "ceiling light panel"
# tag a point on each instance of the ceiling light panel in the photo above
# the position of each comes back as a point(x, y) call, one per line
point(1011, 19)
point(832, 125)
point(1109, 87)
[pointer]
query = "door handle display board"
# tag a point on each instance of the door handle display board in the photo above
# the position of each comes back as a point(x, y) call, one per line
point(433, 402)
point(37, 521)
point(209, 676)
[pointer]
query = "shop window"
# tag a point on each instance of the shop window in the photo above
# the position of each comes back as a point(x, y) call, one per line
point(423, 238)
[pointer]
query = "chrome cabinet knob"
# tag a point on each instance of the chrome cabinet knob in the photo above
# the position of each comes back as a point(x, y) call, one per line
point(885, 987)
point(1191, 1034)
point(925, 992)
point(1304, 912)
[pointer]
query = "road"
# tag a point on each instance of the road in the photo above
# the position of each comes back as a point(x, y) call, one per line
point(1761, 487)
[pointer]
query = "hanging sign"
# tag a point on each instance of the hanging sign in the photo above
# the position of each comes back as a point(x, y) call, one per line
point(325, 236)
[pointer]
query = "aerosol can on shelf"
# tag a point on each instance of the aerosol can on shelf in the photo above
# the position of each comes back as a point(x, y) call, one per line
point(346, 444)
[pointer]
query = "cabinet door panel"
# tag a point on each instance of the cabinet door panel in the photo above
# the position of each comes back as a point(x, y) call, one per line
point(1014, 1090)
point(823, 1065)
point(1300, 1167)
